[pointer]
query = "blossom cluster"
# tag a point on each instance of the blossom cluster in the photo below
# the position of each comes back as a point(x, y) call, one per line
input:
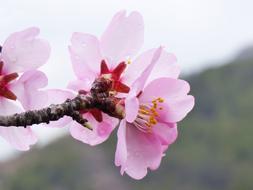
point(153, 97)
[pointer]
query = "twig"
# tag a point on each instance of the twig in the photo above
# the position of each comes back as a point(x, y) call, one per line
point(97, 98)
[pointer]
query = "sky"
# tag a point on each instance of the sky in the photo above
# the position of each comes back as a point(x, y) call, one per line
point(201, 33)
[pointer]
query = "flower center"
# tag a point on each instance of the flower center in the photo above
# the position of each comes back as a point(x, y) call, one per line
point(115, 76)
point(4, 81)
point(148, 115)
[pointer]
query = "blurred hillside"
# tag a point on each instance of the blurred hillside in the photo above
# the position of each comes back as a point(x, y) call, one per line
point(214, 149)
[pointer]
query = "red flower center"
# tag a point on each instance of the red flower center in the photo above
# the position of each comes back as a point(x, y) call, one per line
point(114, 75)
point(4, 81)
point(117, 86)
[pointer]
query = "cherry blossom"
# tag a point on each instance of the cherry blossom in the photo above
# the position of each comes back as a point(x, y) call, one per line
point(111, 57)
point(21, 54)
point(150, 126)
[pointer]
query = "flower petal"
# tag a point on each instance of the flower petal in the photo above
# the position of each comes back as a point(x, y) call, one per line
point(85, 55)
point(165, 66)
point(177, 109)
point(100, 133)
point(27, 90)
point(121, 150)
point(140, 82)
point(123, 37)
point(166, 88)
point(19, 138)
point(167, 132)
point(84, 84)
point(131, 108)
point(144, 150)
point(22, 51)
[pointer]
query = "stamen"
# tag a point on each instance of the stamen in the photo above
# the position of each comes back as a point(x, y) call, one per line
point(147, 115)
point(129, 61)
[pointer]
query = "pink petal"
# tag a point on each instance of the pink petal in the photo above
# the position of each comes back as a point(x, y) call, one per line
point(131, 102)
point(177, 109)
point(167, 132)
point(57, 96)
point(140, 82)
point(20, 138)
point(166, 88)
point(144, 151)
point(23, 51)
point(165, 66)
point(84, 84)
point(27, 90)
point(123, 37)
point(85, 55)
point(131, 108)
point(121, 150)
point(100, 133)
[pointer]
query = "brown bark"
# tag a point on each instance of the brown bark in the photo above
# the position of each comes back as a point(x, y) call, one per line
point(99, 97)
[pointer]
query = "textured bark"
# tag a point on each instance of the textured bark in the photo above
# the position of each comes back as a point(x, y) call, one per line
point(99, 97)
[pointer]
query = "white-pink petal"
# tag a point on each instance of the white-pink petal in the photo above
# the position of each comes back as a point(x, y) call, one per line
point(27, 89)
point(20, 138)
point(23, 51)
point(76, 85)
point(121, 149)
point(100, 133)
point(131, 108)
point(167, 132)
point(176, 109)
point(123, 37)
point(166, 88)
point(140, 82)
point(143, 151)
point(85, 55)
point(165, 66)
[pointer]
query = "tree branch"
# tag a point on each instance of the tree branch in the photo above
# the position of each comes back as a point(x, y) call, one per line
point(99, 97)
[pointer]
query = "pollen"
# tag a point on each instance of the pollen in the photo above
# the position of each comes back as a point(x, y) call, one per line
point(129, 61)
point(148, 115)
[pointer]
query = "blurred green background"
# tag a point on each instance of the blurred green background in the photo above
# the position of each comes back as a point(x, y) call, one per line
point(213, 151)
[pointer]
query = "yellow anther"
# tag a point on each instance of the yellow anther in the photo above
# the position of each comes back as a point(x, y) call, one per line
point(149, 113)
point(161, 100)
point(145, 112)
point(153, 110)
point(129, 61)
point(152, 120)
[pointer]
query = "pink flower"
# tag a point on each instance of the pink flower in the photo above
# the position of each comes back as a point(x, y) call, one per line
point(110, 57)
point(150, 125)
point(21, 54)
